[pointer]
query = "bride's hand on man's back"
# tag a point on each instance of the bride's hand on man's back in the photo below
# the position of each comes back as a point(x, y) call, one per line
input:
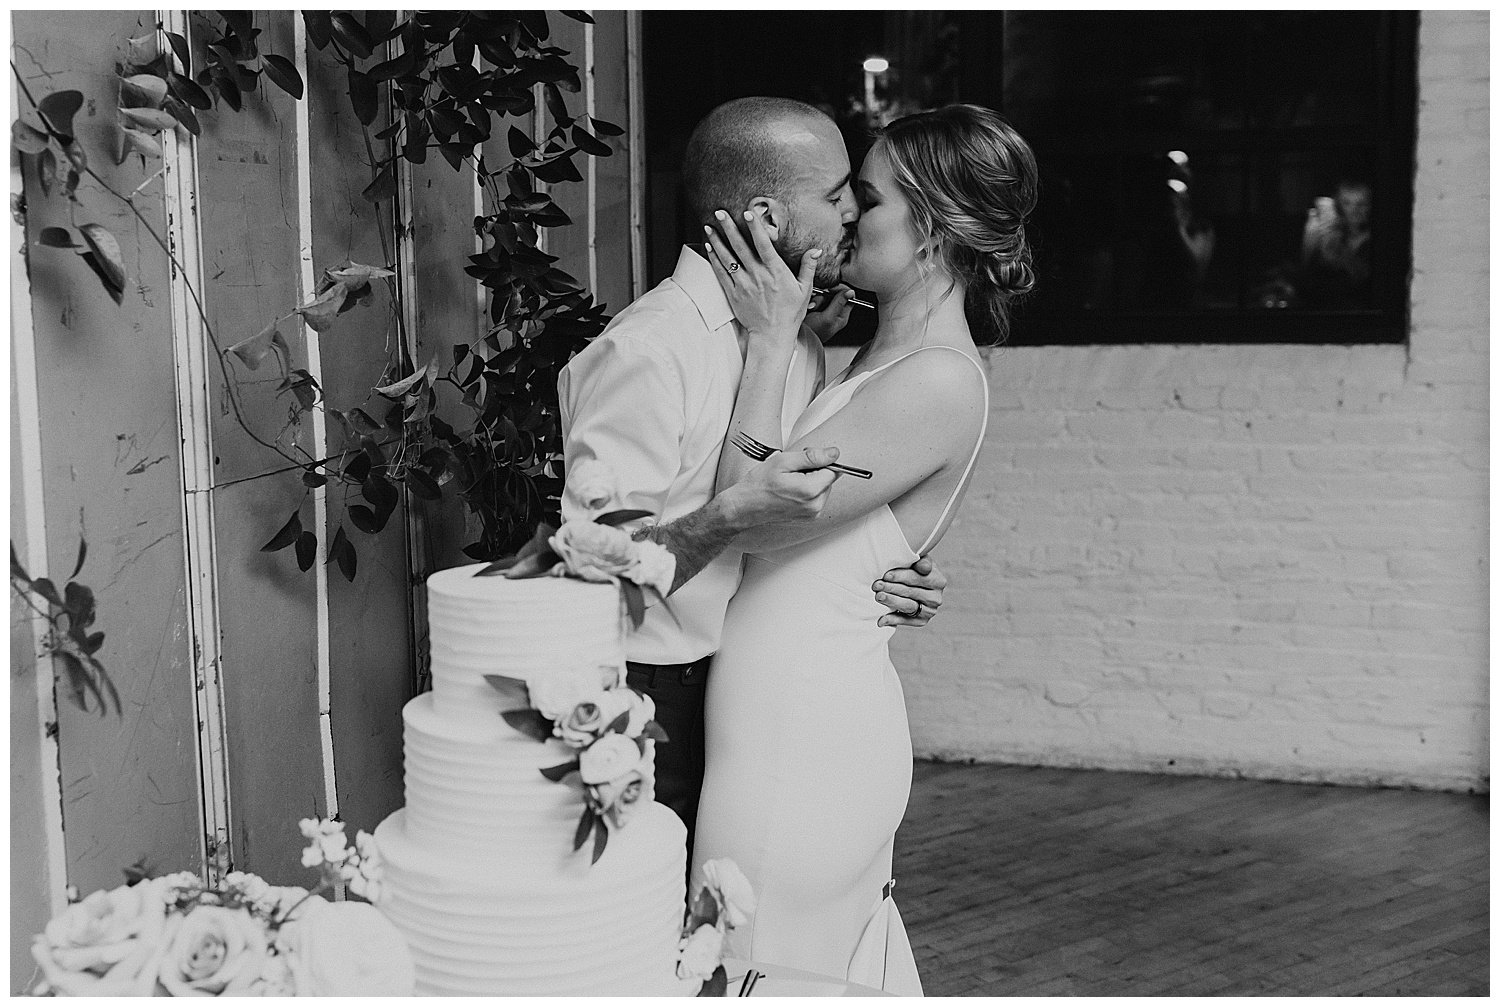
point(767, 298)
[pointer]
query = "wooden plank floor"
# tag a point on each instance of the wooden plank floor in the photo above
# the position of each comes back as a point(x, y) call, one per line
point(1027, 881)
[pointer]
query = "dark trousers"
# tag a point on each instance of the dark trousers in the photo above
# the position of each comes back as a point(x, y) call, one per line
point(677, 690)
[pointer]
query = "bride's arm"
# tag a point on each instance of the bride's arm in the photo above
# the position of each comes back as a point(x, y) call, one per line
point(905, 425)
point(770, 303)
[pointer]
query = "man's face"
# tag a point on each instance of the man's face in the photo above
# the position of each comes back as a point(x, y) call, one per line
point(1354, 205)
point(820, 208)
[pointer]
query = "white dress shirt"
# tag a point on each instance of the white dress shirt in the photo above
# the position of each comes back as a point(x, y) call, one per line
point(651, 398)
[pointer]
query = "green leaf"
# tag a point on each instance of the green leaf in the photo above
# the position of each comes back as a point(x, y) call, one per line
point(529, 722)
point(655, 732)
point(590, 144)
point(75, 154)
point(366, 520)
point(585, 824)
point(93, 642)
point(716, 985)
point(102, 677)
point(342, 551)
point(153, 120)
point(423, 485)
point(17, 571)
point(56, 237)
point(321, 310)
point(307, 551)
point(83, 552)
point(319, 28)
point(283, 74)
point(352, 35)
point(78, 602)
point(141, 143)
point(142, 49)
point(252, 351)
point(635, 602)
point(188, 91)
point(59, 107)
point(149, 87)
point(603, 128)
point(601, 838)
point(512, 690)
point(78, 680)
point(520, 143)
point(105, 260)
point(383, 186)
point(313, 479)
point(27, 138)
point(357, 273)
point(555, 103)
point(182, 51)
point(184, 115)
point(557, 773)
point(288, 534)
point(578, 15)
point(364, 96)
point(44, 587)
point(616, 518)
point(618, 725)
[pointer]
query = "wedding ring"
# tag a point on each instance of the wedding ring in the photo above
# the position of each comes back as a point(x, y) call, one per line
point(732, 266)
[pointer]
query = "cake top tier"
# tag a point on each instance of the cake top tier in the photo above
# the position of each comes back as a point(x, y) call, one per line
point(529, 629)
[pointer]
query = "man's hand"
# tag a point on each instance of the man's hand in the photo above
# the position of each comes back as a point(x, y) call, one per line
point(829, 320)
point(913, 594)
point(787, 486)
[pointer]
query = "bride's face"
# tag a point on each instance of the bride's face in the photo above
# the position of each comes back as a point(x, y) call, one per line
point(884, 255)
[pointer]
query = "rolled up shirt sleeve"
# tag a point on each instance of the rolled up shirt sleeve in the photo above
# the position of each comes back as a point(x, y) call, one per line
point(622, 404)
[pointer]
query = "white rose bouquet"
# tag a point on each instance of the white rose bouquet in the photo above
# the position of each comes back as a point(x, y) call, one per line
point(172, 936)
point(596, 549)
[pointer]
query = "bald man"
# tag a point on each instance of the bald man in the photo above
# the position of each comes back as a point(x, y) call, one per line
point(652, 396)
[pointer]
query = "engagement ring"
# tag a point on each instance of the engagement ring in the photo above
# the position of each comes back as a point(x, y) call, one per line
point(732, 266)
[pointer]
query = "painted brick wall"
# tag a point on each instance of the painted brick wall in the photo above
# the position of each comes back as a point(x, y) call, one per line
point(1267, 561)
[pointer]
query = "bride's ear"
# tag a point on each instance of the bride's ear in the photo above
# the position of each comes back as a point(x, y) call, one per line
point(772, 212)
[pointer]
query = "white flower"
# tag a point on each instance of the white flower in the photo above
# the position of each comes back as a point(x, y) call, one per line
point(655, 567)
point(557, 692)
point(250, 887)
point(181, 886)
point(642, 710)
point(609, 758)
point(215, 951)
point(701, 953)
point(108, 944)
point(349, 949)
point(592, 484)
point(731, 888)
point(618, 799)
point(367, 878)
point(594, 552)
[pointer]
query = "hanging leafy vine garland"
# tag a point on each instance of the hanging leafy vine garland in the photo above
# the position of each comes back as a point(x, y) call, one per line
point(450, 79)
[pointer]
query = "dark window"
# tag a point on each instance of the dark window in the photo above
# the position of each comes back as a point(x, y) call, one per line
point(1206, 177)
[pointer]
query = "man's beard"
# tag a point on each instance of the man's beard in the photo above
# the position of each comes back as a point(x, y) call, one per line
point(794, 243)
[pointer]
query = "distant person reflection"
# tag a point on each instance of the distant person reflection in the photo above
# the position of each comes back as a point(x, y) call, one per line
point(1336, 248)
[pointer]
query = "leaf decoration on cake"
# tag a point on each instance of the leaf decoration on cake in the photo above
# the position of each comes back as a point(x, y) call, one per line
point(530, 723)
point(513, 689)
point(615, 518)
point(635, 602)
point(716, 984)
point(654, 731)
point(556, 773)
point(534, 558)
point(601, 836)
point(585, 823)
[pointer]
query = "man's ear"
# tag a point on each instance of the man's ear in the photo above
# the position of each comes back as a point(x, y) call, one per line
point(770, 210)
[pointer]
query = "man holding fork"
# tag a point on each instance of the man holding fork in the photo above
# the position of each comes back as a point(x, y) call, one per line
point(651, 399)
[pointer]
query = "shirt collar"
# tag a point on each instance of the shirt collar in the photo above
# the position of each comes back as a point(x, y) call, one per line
point(696, 278)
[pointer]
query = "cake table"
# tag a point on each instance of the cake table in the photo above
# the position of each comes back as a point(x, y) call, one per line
point(781, 981)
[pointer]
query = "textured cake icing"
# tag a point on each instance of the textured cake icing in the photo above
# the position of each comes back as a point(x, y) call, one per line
point(480, 872)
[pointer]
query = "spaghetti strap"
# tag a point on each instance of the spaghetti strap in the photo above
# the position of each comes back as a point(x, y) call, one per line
point(984, 423)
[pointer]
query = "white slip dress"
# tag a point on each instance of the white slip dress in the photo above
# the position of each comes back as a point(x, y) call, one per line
point(809, 757)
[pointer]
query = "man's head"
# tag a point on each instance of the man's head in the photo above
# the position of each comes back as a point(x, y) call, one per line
point(1353, 198)
point(783, 159)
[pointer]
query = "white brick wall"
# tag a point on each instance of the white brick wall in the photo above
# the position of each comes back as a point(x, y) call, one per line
point(1267, 561)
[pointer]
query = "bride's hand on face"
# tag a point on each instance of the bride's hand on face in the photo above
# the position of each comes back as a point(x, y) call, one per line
point(767, 298)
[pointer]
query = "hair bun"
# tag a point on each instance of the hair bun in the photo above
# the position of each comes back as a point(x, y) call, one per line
point(1014, 277)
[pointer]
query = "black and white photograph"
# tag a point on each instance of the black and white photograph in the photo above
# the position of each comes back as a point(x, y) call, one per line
point(779, 503)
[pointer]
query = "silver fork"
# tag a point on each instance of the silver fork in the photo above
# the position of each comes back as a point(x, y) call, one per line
point(760, 452)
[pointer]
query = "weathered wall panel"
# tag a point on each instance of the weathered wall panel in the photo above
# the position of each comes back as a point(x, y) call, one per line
point(111, 470)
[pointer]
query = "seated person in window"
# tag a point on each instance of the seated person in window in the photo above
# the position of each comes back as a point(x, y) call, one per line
point(1336, 248)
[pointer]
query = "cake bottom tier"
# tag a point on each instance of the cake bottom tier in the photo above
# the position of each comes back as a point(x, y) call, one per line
point(498, 925)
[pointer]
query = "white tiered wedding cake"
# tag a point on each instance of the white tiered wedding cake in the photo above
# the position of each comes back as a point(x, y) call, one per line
point(481, 872)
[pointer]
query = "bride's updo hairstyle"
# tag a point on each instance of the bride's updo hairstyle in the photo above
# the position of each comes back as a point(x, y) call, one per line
point(970, 181)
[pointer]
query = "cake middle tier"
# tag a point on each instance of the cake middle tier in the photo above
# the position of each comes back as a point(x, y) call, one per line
point(475, 782)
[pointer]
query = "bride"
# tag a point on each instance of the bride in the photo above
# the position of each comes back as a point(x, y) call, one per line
point(809, 755)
